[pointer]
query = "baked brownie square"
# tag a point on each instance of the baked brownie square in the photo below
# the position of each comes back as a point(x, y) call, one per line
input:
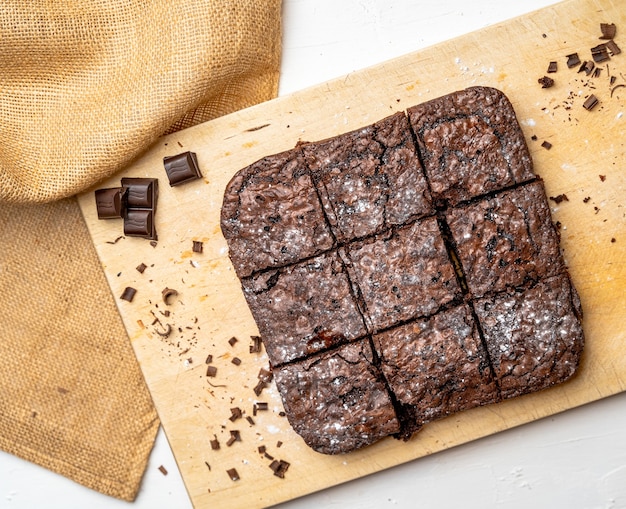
point(369, 179)
point(304, 308)
point(272, 216)
point(507, 240)
point(534, 337)
point(471, 144)
point(402, 275)
point(436, 367)
point(337, 401)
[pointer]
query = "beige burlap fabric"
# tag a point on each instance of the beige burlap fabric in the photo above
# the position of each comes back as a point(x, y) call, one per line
point(86, 87)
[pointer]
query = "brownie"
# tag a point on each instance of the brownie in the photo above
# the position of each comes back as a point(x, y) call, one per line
point(369, 179)
point(403, 275)
point(534, 336)
point(304, 308)
point(337, 400)
point(437, 366)
point(506, 240)
point(471, 144)
point(271, 215)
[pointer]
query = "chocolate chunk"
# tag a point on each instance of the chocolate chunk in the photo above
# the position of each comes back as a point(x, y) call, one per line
point(142, 192)
point(209, 359)
point(608, 30)
point(236, 361)
point(552, 66)
point(167, 293)
point(613, 48)
point(233, 474)
point(547, 145)
point(235, 413)
point(279, 467)
point(111, 202)
point(141, 268)
point(232, 341)
point(128, 294)
point(255, 347)
point(140, 223)
point(546, 82)
point(215, 445)
point(182, 168)
point(591, 102)
point(211, 371)
point(573, 60)
point(197, 246)
point(600, 53)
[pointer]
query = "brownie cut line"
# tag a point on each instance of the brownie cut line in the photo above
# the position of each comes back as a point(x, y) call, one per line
point(404, 271)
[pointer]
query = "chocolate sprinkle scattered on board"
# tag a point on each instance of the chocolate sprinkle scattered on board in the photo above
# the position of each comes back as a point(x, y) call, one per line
point(600, 53)
point(128, 294)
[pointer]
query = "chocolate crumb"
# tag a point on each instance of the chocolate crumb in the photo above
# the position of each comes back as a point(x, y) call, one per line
point(141, 268)
point(590, 103)
point(552, 67)
point(534, 137)
point(232, 341)
point(236, 361)
point(573, 60)
point(207, 465)
point(279, 444)
point(233, 474)
point(163, 470)
point(547, 145)
point(545, 82)
point(197, 246)
point(602, 177)
point(608, 30)
point(560, 198)
point(268, 456)
point(153, 243)
point(586, 199)
point(211, 371)
point(128, 294)
point(613, 240)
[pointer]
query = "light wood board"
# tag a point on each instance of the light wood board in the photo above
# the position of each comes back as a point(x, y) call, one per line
point(210, 309)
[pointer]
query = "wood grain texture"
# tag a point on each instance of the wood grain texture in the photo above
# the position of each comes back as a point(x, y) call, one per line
point(209, 308)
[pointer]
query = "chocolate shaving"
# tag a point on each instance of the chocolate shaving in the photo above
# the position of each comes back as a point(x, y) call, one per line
point(608, 30)
point(590, 103)
point(167, 293)
point(613, 48)
point(235, 413)
point(166, 331)
point(560, 198)
point(600, 53)
point(546, 82)
point(235, 436)
point(233, 474)
point(552, 67)
point(255, 347)
point(128, 294)
point(279, 467)
point(616, 87)
point(573, 60)
point(250, 420)
point(258, 389)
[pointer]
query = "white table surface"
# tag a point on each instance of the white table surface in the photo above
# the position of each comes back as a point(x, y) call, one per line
point(576, 459)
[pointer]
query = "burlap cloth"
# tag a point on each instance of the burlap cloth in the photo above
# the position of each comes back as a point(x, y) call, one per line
point(85, 87)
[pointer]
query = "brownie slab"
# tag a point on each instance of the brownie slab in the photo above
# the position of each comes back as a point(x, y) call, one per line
point(471, 144)
point(337, 400)
point(506, 240)
point(271, 215)
point(304, 308)
point(369, 179)
point(403, 275)
point(534, 337)
point(436, 367)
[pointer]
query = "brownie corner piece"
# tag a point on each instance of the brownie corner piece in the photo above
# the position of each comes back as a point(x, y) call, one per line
point(304, 308)
point(506, 240)
point(471, 144)
point(370, 178)
point(271, 214)
point(534, 337)
point(436, 366)
point(337, 401)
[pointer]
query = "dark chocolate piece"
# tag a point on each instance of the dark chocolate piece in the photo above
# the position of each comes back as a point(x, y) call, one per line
point(591, 102)
point(560, 198)
point(211, 371)
point(279, 467)
point(236, 361)
point(608, 30)
point(182, 168)
point(141, 268)
point(546, 144)
point(255, 347)
point(546, 82)
point(337, 401)
point(613, 48)
point(534, 337)
point(600, 53)
point(142, 193)
point(128, 294)
point(111, 202)
point(233, 474)
point(573, 60)
point(140, 223)
point(552, 66)
point(215, 445)
point(471, 144)
point(197, 246)
point(235, 413)
point(163, 470)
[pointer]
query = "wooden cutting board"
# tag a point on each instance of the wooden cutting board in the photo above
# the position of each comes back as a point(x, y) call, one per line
point(586, 163)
